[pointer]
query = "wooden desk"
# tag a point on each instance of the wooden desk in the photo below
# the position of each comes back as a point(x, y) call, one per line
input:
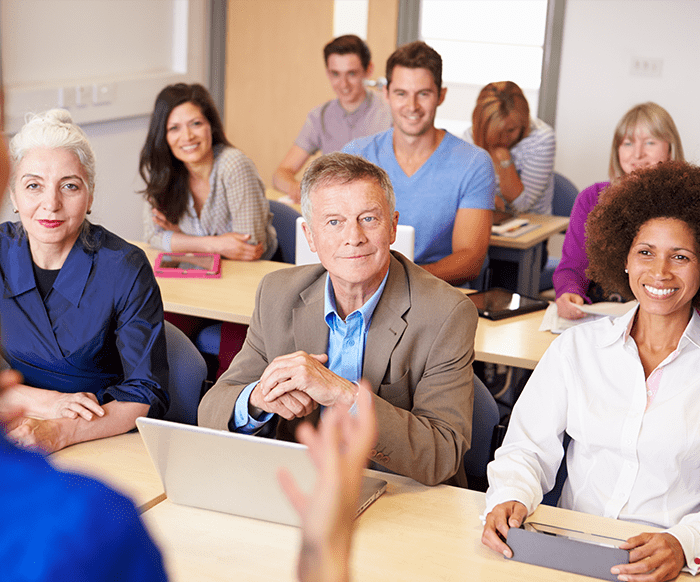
point(412, 532)
point(121, 461)
point(514, 341)
point(230, 298)
point(526, 250)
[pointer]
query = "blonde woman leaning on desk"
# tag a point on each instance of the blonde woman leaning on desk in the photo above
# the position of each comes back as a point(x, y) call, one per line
point(81, 311)
point(645, 136)
point(625, 390)
point(522, 149)
point(203, 194)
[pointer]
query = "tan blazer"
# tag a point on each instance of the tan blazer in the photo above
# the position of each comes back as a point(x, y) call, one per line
point(418, 360)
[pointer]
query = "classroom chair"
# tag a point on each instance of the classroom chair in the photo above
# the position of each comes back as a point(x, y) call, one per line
point(487, 435)
point(564, 197)
point(552, 497)
point(188, 371)
point(208, 341)
point(284, 220)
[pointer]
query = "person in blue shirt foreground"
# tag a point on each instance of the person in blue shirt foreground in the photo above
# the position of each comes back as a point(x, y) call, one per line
point(625, 390)
point(81, 311)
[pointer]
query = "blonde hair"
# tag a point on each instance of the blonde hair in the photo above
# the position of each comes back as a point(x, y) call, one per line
point(496, 101)
point(657, 121)
point(53, 129)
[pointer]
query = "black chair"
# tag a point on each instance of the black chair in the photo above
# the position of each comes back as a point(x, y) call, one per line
point(188, 371)
point(552, 497)
point(284, 220)
point(487, 435)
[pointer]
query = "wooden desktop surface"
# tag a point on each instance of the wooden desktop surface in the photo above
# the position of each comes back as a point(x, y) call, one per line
point(230, 298)
point(120, 461)
point(514, 341)
point(549, 225)
point(412, 532)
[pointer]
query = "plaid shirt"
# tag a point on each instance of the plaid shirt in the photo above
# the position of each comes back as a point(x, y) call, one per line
point(236, 203)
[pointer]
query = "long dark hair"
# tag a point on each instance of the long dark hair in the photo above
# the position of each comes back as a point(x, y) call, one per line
point(167, 177)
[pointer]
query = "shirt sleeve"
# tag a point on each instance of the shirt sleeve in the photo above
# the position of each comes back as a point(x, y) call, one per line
point(526, 465)
point(309, 138)
point(478, 186)
point(536, 170)
point(140, 338)
point(687, 532)
point(152, 234)
point(245, 196)
point(570, 274)
point(242, 422)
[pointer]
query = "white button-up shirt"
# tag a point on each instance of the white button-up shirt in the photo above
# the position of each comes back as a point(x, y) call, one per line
point(635, 448)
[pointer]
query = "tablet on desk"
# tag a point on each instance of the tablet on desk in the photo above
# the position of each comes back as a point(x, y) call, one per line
point(585, 553)
point(500, 303)
point(188, 265)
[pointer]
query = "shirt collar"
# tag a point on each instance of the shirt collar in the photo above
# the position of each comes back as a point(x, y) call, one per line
point(366, 311)
point(71, 280)
point(361, 108)
point(622, 326)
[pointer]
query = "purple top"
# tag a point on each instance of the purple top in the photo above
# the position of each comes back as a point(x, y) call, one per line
point(570, 274)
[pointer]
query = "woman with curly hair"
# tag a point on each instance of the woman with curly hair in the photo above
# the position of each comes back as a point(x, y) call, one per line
point(625, 390)
point(645, 136)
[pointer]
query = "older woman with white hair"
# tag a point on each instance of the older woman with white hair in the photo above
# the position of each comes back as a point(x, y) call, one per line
point(81, 311)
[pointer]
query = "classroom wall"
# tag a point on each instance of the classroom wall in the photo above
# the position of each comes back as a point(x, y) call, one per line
point(596, 84)
point(86, 42)
point(275, 72)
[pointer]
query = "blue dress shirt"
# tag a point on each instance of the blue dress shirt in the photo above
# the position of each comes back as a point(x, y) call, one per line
point(99, 330)
point(346, 352)
point(63, 527)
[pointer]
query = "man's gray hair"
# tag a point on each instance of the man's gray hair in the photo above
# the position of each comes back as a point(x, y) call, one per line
point(53, 129)
point(337, 169)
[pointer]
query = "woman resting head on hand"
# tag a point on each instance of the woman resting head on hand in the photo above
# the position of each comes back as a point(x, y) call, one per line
point(202, 194)
point(645, 136)
point(625, 390)
point(81, 311)
point(522, 149)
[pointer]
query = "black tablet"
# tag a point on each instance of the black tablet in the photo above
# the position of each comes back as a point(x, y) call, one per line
point(500, 303)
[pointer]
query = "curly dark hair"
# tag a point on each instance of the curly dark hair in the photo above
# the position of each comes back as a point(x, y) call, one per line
point(668, 190)
point(167, 177)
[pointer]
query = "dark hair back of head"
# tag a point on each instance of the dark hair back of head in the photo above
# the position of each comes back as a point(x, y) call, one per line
point(416, 55)
point(667, 190)
point(348, 44)
point(166, 177)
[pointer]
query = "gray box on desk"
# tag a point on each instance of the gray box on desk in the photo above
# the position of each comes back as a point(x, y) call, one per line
point(563, 553)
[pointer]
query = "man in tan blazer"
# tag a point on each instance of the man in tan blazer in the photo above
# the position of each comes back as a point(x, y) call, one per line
point(364, 312)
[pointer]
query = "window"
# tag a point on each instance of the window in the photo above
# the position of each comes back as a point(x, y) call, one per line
point(482, 41)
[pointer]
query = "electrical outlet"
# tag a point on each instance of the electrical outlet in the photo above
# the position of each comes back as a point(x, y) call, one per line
point(644, 67)
point(83, 95)
point(103, 93)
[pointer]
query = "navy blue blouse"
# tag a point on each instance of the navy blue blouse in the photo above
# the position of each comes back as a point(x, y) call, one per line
point(99, 330)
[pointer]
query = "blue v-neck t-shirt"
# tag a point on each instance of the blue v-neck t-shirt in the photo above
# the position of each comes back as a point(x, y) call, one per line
point(456, 175)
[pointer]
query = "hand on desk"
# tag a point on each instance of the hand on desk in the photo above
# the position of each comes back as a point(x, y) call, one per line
point(236, 246)
point(304, 373)
point(566, 306)
point(160, 220)
point(498, 522)
point(654, 557)
point(339, 448)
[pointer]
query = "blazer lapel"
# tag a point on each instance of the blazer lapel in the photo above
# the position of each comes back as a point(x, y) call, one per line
point(387, 325)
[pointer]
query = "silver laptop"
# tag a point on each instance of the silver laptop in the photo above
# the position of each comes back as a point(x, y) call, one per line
point(233, 473)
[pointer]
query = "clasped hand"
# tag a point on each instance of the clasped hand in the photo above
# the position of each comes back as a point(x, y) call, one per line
point(294, 384)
